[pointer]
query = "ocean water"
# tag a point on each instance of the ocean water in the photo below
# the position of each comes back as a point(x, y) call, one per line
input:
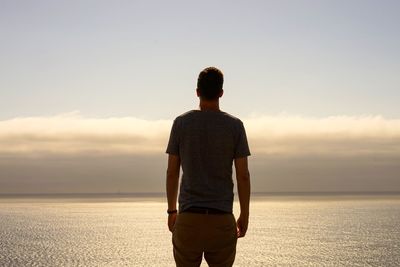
point(283, 231)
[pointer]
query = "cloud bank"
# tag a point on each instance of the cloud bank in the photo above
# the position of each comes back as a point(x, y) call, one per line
point(70, 134)
point(280, 135)
point(70, 153)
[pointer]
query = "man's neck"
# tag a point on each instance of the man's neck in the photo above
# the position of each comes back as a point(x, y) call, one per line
point(209, 105)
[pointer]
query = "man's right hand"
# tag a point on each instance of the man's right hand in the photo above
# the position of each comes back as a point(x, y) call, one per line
point(241, 225)
point(171, 221)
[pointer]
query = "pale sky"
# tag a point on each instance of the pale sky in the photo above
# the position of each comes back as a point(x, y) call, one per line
point(89, 90)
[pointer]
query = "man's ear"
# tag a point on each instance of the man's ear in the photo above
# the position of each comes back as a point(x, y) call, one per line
point(198, 92)
point(221, 93)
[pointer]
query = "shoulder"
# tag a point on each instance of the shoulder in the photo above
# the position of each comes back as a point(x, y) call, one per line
point(184, 117)
point(232, 119)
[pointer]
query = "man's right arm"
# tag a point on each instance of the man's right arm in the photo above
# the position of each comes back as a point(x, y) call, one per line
point(172, 184)
point(243, 187)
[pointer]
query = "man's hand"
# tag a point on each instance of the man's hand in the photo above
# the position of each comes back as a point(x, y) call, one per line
point(171, 221)
point(241, 225)
point(174, 163)
point(243, 186)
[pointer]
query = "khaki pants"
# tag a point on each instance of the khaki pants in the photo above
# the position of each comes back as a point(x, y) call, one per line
point(211, 234)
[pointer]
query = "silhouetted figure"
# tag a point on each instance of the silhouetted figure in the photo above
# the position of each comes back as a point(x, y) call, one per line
point(206, 143)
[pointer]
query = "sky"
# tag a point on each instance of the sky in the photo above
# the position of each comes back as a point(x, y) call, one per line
point(89, 90)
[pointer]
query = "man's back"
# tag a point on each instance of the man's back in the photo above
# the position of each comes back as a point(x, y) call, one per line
point(207, 142)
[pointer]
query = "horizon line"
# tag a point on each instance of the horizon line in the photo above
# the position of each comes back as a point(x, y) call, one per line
point(159, 194)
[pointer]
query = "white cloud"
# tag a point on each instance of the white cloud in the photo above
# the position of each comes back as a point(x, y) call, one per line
point(71, 133)
point(281, 135)
point(341, 135)
point(73, 153)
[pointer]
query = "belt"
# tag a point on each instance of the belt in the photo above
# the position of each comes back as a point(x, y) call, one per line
point(205, 210)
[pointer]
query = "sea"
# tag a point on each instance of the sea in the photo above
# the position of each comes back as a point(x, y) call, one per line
point(131, 230)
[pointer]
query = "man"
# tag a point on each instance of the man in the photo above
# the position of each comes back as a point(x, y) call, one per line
point(206, 143)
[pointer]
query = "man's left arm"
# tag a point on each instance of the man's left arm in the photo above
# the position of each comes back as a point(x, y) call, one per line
point(172, 183)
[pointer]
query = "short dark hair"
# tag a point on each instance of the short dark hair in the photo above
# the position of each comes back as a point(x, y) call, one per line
point(210, 83)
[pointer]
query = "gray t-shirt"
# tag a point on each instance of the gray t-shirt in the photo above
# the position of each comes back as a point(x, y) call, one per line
point(207, 142)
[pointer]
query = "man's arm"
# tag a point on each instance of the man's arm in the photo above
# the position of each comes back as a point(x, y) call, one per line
point(172, 182)
point(243, 186)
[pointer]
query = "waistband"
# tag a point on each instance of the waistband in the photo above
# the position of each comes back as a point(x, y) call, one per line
point(202, 210)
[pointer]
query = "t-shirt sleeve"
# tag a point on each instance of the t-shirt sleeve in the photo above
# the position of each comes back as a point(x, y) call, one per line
point(173, 143)
point(242, 146)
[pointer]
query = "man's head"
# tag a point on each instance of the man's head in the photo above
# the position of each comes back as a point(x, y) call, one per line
point(209, 84)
